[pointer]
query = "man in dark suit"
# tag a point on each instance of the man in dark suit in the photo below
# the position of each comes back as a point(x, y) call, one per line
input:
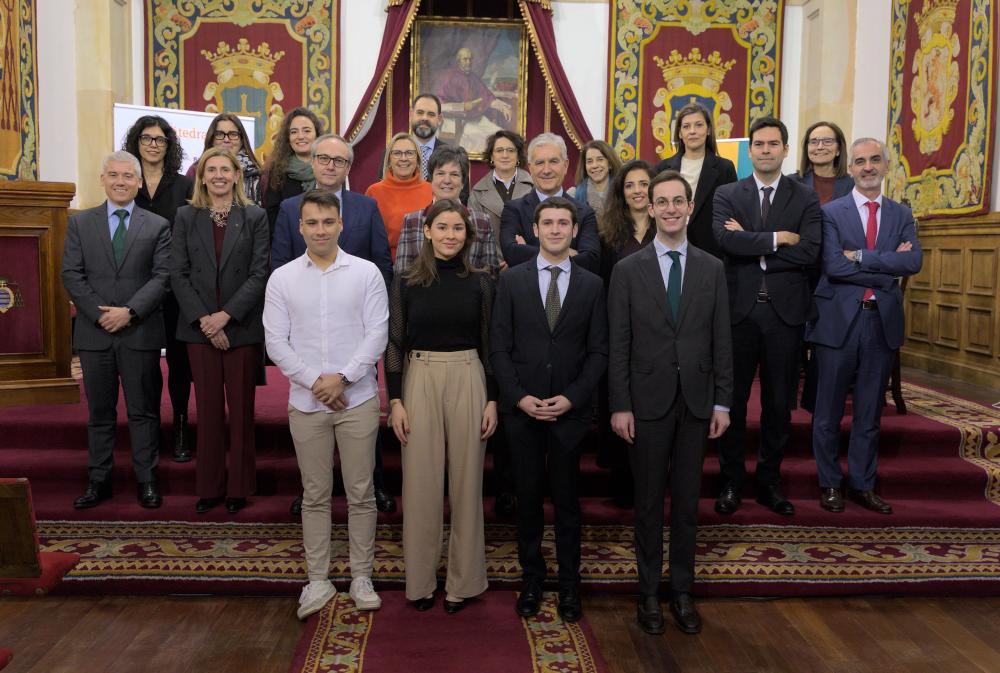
point(670, 378)
point(363, 235)
point(869, 241)
point(116, 270)
point(549, 348)
point(768, 226)
point(547, 163)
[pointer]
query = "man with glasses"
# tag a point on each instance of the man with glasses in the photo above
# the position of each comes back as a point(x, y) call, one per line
point(363, 235)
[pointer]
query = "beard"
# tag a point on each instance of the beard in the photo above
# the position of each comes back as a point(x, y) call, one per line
point(423, 130)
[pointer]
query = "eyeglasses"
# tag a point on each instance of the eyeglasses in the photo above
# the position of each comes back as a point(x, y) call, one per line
point(677, 202)
point(399, 154)
point(159, 141)
point(325, 159)
point(825, 142)
point(504, 150)
point(223, 135)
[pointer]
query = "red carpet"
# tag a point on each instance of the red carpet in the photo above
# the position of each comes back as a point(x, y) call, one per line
point(485, 637)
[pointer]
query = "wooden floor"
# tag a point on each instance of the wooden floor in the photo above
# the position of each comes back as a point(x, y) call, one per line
point(258, 635)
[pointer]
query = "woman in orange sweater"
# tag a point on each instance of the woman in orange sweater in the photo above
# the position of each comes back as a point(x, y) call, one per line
point(401, 190)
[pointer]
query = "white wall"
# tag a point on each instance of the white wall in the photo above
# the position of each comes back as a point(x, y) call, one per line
point(791, 75)
point(57, 113)
point(871, 82)
point(581, 30)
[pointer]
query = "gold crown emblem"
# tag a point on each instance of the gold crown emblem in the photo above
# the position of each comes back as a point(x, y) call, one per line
point(935, 14)
point(243, 60)
point(694, 69)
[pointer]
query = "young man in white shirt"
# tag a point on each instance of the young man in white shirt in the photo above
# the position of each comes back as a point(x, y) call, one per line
point(326, 323)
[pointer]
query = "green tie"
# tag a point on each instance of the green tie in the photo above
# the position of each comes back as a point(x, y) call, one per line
point(674, 284)
point(552, 304)
point(118, 240)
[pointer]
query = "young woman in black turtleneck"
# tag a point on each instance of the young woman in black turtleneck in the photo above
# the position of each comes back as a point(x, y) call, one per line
point(444, 409)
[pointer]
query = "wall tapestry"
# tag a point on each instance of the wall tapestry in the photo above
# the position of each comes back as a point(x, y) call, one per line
point(253, 58)
point(666, 54)
point(18, 91)
point(942, 105)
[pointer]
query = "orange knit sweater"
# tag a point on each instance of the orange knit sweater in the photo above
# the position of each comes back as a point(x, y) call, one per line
point(396, 198)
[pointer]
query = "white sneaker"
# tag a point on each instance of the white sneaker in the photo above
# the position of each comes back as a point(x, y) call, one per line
point(314, 596)
point(364, 594)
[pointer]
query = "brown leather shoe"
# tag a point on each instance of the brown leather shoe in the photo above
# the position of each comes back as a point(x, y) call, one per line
point(869, 500)
point(831, 500)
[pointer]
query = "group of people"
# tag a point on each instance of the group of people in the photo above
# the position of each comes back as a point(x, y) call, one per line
point(510, 305)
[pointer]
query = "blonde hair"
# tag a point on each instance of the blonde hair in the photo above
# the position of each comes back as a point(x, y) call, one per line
point(200, 198)
point(388, 150)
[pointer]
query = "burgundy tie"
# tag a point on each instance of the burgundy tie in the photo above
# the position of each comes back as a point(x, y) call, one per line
point(871, 233)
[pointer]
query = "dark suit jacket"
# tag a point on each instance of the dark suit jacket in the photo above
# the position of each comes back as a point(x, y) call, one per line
point(529, 359)
point(363, 235)
point(91, 279)
point(794, 207)
point(653, 361)
point(173, 192)
point(518, 217)
point(843, 285)
point(240, 276)
point(715, 171)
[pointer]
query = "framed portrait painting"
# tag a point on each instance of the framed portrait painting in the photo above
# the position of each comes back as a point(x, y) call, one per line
point(479, 71)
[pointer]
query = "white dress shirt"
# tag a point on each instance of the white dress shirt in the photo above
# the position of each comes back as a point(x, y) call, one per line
point(760, 200)
point(327, 322)
point(545, 277)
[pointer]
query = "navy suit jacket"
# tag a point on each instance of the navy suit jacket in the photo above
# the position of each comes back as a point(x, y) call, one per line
point(518, 218)
point(842, 287)
point(363, 235)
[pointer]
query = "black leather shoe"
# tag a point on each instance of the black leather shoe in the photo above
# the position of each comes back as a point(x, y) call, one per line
point(182, 439)
point(505, 505)
point(296, 507)
point(149, 497)
point(570, 608)
point(869, 500)
point(96, 493)
point(649, 615)
point(772, 498)
point(384, 502)
point(451, 607)
point(424, 604)
point(530, 600)
point(233, 505)
point(728, 500)
point(205, 504)
point(685, 614)
point(831, 500)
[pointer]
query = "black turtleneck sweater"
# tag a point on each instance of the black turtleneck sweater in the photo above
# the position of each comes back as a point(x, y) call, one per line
point(451, 314)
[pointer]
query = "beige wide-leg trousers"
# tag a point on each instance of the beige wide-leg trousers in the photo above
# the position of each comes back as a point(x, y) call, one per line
point(444, 395)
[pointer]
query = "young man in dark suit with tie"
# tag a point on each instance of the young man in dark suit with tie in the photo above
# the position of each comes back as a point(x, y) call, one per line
point(549, 347)
point(670, 378)
point(768, 227)
point(869, 241)
point(116, 269)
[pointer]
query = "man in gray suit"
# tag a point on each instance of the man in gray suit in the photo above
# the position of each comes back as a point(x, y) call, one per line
point(670, 378)
point(116, 268)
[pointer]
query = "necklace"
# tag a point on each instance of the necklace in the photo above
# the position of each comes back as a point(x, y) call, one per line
point(220, 217)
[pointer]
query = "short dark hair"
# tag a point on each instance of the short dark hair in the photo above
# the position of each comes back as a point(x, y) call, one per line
point(669, 175)
point(323, 198)
point(769, 123)
point(511, 136)
point(449, 154)
point(554, 202)
point(426, 94)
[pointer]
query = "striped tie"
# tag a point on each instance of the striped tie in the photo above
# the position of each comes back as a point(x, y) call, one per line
point(552, 304)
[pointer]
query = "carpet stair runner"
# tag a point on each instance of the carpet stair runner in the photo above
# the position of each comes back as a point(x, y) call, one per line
point(939, 468)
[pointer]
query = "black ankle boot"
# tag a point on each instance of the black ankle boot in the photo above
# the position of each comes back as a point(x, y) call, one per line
point(182, 439)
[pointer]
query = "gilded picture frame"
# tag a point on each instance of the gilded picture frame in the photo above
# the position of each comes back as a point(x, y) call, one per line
point(479, 69)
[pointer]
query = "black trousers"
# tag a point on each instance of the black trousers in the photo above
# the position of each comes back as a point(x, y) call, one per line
point(667, 451)
point(763, 339)
point(179, 377)
point(139, 373)
point(539, 449)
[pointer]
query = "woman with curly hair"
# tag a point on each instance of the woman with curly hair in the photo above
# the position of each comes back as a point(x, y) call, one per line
point(288, 171)
point(226, 132)
point(154, 143)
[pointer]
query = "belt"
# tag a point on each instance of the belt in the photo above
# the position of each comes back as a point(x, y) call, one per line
point(763, 298)
point(869, 305)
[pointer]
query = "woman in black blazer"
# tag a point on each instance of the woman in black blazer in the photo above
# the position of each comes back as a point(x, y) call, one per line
point(218, 269)
point(697, 160)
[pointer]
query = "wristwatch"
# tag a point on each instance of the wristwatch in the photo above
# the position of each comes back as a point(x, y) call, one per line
point(345, 380)
point(131, 312)
point(857, 256)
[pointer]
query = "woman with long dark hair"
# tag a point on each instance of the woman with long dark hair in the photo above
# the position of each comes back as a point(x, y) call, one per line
point(823, 165)
point(596, 168)
point(154, 143)
point(288, 171)
point(444, 409)
point(226, 131)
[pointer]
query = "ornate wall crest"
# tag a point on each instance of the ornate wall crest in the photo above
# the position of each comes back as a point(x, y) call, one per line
point(935, 69)
point(10, 295)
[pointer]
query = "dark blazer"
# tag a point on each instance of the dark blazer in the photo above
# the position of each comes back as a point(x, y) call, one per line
point(529, 359)
point(843, 285)
point(91, 278)
point(240, 276)
point(842, 186)
point(173, 192)
point(652, 360)
point(363, 234)
point(794, 207)
point(271, 198)
point(518, 217)
point(715, 172)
